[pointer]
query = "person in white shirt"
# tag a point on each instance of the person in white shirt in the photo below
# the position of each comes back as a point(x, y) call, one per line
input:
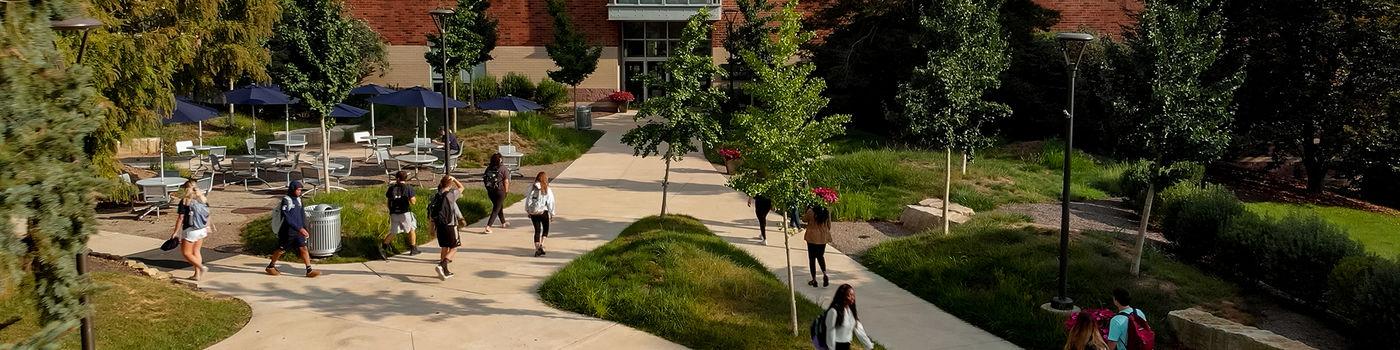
point(539, 205)
point(843, 321)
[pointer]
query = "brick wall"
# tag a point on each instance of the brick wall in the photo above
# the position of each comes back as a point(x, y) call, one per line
point(1101, 16)
point(521, 22)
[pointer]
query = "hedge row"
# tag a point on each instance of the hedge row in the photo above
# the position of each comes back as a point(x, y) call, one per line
point(1301, 255)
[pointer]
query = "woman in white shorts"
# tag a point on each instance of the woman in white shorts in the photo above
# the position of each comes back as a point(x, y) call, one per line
point(192, 226)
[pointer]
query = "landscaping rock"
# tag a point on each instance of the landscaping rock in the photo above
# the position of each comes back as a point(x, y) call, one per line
point(134, 264)
point(139, 147)
point(929, 214)
point(1201, 330)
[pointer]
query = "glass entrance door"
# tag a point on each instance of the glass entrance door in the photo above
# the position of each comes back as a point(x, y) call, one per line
point(645, 45)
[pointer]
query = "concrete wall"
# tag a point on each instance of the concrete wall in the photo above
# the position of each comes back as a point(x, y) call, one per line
point(1199, 330)
point(407, 68)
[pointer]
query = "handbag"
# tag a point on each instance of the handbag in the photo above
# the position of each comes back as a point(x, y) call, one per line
point(171, 243)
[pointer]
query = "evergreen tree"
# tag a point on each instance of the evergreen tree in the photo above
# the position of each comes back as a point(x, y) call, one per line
point(570, 50)
point(1167, 89)
point(48, 106)
point(780, 133)
point(943, 103)
point(686, 112)
point(315, 58)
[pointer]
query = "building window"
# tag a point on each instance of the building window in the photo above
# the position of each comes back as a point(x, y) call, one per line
point(645, 45)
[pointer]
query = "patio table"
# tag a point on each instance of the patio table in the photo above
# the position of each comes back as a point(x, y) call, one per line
point(171, 184)
point(417, 160)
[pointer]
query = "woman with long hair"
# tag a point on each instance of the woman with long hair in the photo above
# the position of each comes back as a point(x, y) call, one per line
point(818, 235)
point(843, 321)
point(446, 216)
point(496, 179)
point(1085, 335)
point(192, 226)
point(539, 205)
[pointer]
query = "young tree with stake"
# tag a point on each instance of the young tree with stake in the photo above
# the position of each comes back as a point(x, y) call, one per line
point(943, 102)
point(686, 113)
point(780, 133)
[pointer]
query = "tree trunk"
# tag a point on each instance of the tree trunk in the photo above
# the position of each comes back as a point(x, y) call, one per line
point(665, 184)
point(1142, 226)
point(575, 98)
point(325, 157)
point(964, 163)
point(792, 279)
point(947, 198)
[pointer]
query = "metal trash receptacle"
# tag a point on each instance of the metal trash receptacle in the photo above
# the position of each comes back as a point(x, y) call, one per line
point(324, 220)
point(583, 118)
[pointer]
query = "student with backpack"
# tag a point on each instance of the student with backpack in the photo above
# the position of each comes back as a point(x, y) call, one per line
point(1128, 329)
point(445, 217)
point(818, 235)
point(840, 323)
point(539, 205)
point(290, 221)
point(400, 197)
point(496, 179)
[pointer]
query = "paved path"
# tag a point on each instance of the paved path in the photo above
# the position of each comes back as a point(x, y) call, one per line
point(492, 303)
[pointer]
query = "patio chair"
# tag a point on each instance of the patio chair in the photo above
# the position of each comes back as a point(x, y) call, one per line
point(245, 170)
point(183, 148)
point(287, 168)
point(311, 177)
point(253, 149)
point(440, 166)
point(205, 185)
point(216, 159)
point(392, 166)
point(343, 172)
point(511, 159)
point(298, 138)
point(363, 140)
point(126, 179)
point(155, 196)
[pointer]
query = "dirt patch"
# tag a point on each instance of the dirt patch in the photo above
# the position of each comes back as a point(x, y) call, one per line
point(854, 238)
point(1108, 215)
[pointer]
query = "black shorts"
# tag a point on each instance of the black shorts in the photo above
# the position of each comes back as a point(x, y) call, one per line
point(447, 235)
point(288, 239)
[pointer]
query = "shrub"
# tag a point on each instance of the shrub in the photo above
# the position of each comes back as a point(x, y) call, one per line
point(1109, 178)
point(1193, 216)
point(1133, 183)
point(486, 87)
point(1294, 254)
point(518, 85)
point(551, 94)
point(1366, 290)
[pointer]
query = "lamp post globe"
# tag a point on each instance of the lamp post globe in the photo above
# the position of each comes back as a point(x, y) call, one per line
point(1071, 44)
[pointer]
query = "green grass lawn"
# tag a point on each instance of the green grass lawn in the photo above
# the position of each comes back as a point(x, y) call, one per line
point(1378, 232)
point(136, 312)
point(674, 278)
point(995, 276)
point(876, 184)
point(365, 220)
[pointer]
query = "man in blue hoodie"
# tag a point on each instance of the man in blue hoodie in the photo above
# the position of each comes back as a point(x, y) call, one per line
point(292, 235)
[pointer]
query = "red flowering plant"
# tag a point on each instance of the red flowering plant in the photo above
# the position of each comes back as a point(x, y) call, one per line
point(730, 154)
point(1099, 315)
point(826, 194)
point(621, 97)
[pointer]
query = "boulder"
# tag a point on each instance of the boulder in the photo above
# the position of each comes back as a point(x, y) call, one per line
point(141, 146)
point(919, 217)
point(938, 203)
point(1201, 330)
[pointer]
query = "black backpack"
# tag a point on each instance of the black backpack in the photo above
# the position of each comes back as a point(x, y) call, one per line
point(818, 331)
point(492, 179)
point(398, 199)
point(439, 210)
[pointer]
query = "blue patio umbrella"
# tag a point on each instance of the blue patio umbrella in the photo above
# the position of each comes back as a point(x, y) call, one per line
point(260, 95)
point(347, 111)
point(509, 103)
point(417, 97)
point(371, 90)
point(187, 111)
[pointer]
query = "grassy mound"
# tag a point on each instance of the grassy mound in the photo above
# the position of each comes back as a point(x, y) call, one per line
point(1375, 231)
point(674, 278)
point(364, 219)
point(995, 275)
point(135, 312)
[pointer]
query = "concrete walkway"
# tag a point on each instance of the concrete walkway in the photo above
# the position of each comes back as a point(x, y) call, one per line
point(492, 302)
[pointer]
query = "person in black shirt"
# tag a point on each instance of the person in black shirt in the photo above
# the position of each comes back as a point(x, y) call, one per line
point(400, 197)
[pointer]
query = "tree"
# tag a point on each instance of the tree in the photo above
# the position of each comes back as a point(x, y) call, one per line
point(943, 103)
point(231, 44)
point(864, 54)
point(48, 110)
point(1321, 75)
point(781, 133)
point(570, 50)
point(373, 53)
point(686, 112)
point(751, 35)
point(471, 35)
point(1168, 90)
point(315, 59)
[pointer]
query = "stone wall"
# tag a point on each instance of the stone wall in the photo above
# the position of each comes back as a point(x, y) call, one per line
point(1199, 330)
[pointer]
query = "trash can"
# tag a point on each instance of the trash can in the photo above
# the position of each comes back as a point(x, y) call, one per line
point(324, 220)
point(583, 118)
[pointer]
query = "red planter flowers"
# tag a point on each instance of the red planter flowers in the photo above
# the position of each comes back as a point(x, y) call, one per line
point(621, 98)
point(730, 154)
point(826, 194)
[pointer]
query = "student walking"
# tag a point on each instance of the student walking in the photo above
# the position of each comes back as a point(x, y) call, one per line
point(1085, 334)
point(291, 234)
point(400, 198)
point(539, 205)
point(192, 225)
point(446, 217)
point(843, 321)
point(818, 235)
point(761, 207)
point(1129, 324)
point(496, 179)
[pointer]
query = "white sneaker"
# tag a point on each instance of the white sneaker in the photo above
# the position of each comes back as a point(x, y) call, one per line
point(205, 268)
point(441, 274)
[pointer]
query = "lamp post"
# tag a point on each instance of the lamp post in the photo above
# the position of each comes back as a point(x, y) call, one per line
point(730, 16)
point(82, 24)
point(440, 17)
point(1068, 42)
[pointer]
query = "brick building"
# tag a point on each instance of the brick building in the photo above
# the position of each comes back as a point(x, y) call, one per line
point(635, 35)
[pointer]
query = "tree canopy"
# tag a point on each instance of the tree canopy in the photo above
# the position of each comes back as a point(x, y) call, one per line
point(471, 35)
point(943, 104)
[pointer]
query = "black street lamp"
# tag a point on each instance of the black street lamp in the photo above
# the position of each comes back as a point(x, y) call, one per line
point(1077, 42)
point(440, 17)
point(82, 24)
point(730, 16)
